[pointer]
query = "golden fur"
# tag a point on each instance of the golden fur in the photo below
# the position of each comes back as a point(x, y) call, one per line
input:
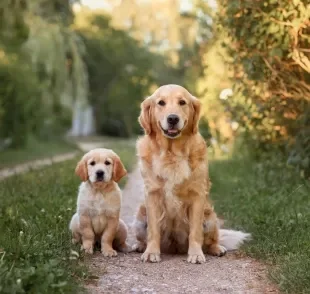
point(99, 203)
point(177, 215)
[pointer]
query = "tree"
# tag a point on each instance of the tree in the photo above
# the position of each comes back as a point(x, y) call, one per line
point(120, 72)
point(41, 60)
point(269, 43)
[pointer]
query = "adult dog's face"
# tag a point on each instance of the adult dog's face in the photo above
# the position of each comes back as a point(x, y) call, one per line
point(100, 166)
point(171, 110)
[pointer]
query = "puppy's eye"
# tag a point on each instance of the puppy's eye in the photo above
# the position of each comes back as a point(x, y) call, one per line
point(182, 102)
point(92, 163)
point(161, 102)
point(107, 162)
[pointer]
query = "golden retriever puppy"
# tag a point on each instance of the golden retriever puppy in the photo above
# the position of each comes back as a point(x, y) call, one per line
point(99, 203)
point(177, 214)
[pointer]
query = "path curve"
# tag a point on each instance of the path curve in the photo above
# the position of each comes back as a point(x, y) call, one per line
point(127, 274)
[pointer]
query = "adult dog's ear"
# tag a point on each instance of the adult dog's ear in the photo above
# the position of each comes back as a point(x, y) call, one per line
point(145, 116)
point(81, 169)
point(119, 170)
point(197, 111)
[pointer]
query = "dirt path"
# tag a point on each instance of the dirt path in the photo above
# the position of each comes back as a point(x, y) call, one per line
point(36, 164)
point(39, 163)
point(127, 274)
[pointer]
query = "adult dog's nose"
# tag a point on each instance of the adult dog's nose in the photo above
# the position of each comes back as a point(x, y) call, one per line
point(100, 174)
point(173, 119)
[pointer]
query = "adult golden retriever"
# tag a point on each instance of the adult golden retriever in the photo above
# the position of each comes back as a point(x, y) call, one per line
point(177, 215)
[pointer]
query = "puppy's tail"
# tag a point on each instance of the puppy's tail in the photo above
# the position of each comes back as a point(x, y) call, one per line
point(232, 240)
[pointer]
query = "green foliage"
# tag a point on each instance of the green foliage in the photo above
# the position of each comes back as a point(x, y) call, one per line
point(19, 100)
point(41, 67)
point(272, 203)
point(35, 240)
point(268, 42)
point(120, 71)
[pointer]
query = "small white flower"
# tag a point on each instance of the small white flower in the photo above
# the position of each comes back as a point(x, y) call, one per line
point(213, 141)
point(24, 222)
point(21, 233)
point(18, 281)
point(73, 252)
point(224, 148)
point(225, 94)
point(234, 125)
point(42, 210)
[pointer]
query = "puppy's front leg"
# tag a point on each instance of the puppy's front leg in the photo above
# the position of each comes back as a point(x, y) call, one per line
point(108, 237)
point(196, 214)
point(88, 236)
point(152, 251)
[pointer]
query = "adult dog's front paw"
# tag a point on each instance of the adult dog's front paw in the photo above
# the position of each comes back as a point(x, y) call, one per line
point(217, 250)
point(196, 256)
point(151, 254)
point(152, 257)
point(108, 251)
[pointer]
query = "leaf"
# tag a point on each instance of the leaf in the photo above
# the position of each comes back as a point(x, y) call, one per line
point(276, 52)
point(273, 28)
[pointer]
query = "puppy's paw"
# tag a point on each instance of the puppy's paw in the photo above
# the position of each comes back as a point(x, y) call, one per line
point(108, 252)
point(196, 256)
point(88, 249)
point(217, 250)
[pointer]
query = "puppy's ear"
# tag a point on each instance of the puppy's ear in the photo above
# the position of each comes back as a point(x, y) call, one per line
point(119, 170)
point(197, 110)
point(145, 116)
point(81, 170)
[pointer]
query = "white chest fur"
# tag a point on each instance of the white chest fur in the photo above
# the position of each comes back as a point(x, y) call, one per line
point(174, 170)
point(95, 203)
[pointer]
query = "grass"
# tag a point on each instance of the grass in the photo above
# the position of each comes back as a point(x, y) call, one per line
point(34, 150)
point(271, 202)
point(36, 255)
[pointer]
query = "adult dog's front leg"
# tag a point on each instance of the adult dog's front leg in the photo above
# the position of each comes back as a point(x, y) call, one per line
point(108, 237)
point(152, 251)
point(196, 214)
point(88, 236)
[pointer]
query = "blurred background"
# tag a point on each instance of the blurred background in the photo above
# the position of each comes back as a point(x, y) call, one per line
point(82, 68)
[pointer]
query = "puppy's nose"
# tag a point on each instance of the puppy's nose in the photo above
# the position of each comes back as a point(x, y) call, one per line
point(173, 119)
point(100, 173)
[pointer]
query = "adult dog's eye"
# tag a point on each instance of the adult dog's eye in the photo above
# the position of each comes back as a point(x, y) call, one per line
point(182, 102)
point(107, 162)
point(161, 102)
point(92, 163)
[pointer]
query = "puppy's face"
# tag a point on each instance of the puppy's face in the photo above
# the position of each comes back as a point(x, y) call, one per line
point(170, 110)
point(100, 166)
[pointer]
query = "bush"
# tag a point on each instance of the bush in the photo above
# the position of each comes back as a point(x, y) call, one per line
point(268, 41)
point(20, 101)
point(41, 70)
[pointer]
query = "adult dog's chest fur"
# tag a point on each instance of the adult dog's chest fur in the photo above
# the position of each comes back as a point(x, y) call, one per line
point(172, 171)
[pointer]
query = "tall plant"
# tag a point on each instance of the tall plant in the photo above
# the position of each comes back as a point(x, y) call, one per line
point(269, 42)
